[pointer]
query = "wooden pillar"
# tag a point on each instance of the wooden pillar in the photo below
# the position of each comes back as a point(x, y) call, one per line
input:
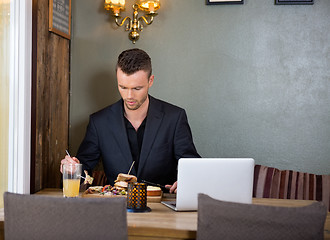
point(50, 100)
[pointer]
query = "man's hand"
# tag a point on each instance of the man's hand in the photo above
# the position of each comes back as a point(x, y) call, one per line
point(68, 160)
point(172, 188)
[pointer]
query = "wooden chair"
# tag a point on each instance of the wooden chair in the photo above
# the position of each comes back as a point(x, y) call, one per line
point(271, 182)
point(228, 220)
point(46, 217)
point(100, 179)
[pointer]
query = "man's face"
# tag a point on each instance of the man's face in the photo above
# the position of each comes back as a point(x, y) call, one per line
point(134, 88)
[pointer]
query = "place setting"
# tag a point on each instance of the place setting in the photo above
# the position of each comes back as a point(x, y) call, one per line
point(138, 194)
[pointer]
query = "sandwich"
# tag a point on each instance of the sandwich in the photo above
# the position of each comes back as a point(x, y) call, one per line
point(94, 189)
point(121, 183)
point(154, 191)
point(119, 188)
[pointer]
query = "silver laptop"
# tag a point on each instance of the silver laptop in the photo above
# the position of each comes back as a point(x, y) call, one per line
point(227, 179)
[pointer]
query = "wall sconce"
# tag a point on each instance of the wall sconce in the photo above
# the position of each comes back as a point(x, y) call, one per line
point(134, 25)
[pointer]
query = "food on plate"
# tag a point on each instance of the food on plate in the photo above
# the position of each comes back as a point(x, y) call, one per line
point(126, 178)
point(154, 191)
point(88, 179)
point(106, 188)
point(94, 189)
point(109, 190)
point(121, 185)
point(119, 188)
point(122, 181)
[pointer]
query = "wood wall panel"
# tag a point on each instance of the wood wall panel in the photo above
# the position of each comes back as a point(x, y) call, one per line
point(51, 101)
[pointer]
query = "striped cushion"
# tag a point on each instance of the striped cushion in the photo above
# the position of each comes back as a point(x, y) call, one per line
point(271, 182)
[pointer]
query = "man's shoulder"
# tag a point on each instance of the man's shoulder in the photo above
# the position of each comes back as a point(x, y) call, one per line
point(113, 108)
point(165, 106)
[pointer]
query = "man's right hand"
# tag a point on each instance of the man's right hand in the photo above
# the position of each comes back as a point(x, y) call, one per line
point(68, 160)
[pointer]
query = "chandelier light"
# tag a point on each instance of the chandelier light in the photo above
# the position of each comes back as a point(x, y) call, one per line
point(134, 24)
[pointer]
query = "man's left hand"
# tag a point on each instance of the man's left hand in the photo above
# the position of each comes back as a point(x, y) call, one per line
point(172, 188)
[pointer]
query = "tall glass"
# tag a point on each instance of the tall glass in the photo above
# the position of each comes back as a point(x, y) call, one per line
point(71, 179)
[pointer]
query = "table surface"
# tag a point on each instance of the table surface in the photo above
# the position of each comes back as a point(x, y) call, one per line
point(163, 222)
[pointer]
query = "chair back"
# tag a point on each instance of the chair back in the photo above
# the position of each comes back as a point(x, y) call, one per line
point(100, 179)
point(227, 220)
point(271, 182)
point(47, 217)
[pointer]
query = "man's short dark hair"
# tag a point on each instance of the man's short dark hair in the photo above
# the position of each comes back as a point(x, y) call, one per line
point(133, 60)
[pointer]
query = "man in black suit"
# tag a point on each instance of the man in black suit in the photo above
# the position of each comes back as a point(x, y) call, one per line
point(140, 128)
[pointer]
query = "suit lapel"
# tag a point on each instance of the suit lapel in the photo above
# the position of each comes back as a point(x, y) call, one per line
point(154, 119)
point(120, 134)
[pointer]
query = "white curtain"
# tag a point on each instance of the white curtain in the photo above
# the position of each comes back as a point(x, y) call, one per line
point(19, 52)
point(4, 94)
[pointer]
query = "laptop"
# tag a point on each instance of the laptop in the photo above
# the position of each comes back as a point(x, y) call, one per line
point(227, 179)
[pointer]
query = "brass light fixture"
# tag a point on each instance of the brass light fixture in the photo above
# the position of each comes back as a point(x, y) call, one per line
point(135, 24)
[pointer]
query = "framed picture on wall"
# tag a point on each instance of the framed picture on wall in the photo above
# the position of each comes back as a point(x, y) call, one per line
point(60, 17)
point(214, 2)
point(293, 2)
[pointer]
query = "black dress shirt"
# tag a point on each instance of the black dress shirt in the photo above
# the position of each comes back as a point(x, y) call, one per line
point(135, 139)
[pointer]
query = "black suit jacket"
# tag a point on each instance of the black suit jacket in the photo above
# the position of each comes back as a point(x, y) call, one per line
point(167, 138)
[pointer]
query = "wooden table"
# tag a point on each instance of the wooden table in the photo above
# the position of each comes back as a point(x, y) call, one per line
point(163, 223)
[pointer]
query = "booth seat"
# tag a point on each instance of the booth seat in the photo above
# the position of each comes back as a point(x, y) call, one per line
point(271, 182)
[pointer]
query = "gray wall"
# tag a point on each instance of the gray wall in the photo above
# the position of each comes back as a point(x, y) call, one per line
point(253, 78)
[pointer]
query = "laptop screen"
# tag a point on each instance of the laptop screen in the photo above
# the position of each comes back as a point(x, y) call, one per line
point(227, 179)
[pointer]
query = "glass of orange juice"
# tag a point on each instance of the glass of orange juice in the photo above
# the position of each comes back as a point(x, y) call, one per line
point(71, 179)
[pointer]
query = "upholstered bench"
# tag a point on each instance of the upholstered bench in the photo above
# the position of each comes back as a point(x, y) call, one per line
point(271, 182)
